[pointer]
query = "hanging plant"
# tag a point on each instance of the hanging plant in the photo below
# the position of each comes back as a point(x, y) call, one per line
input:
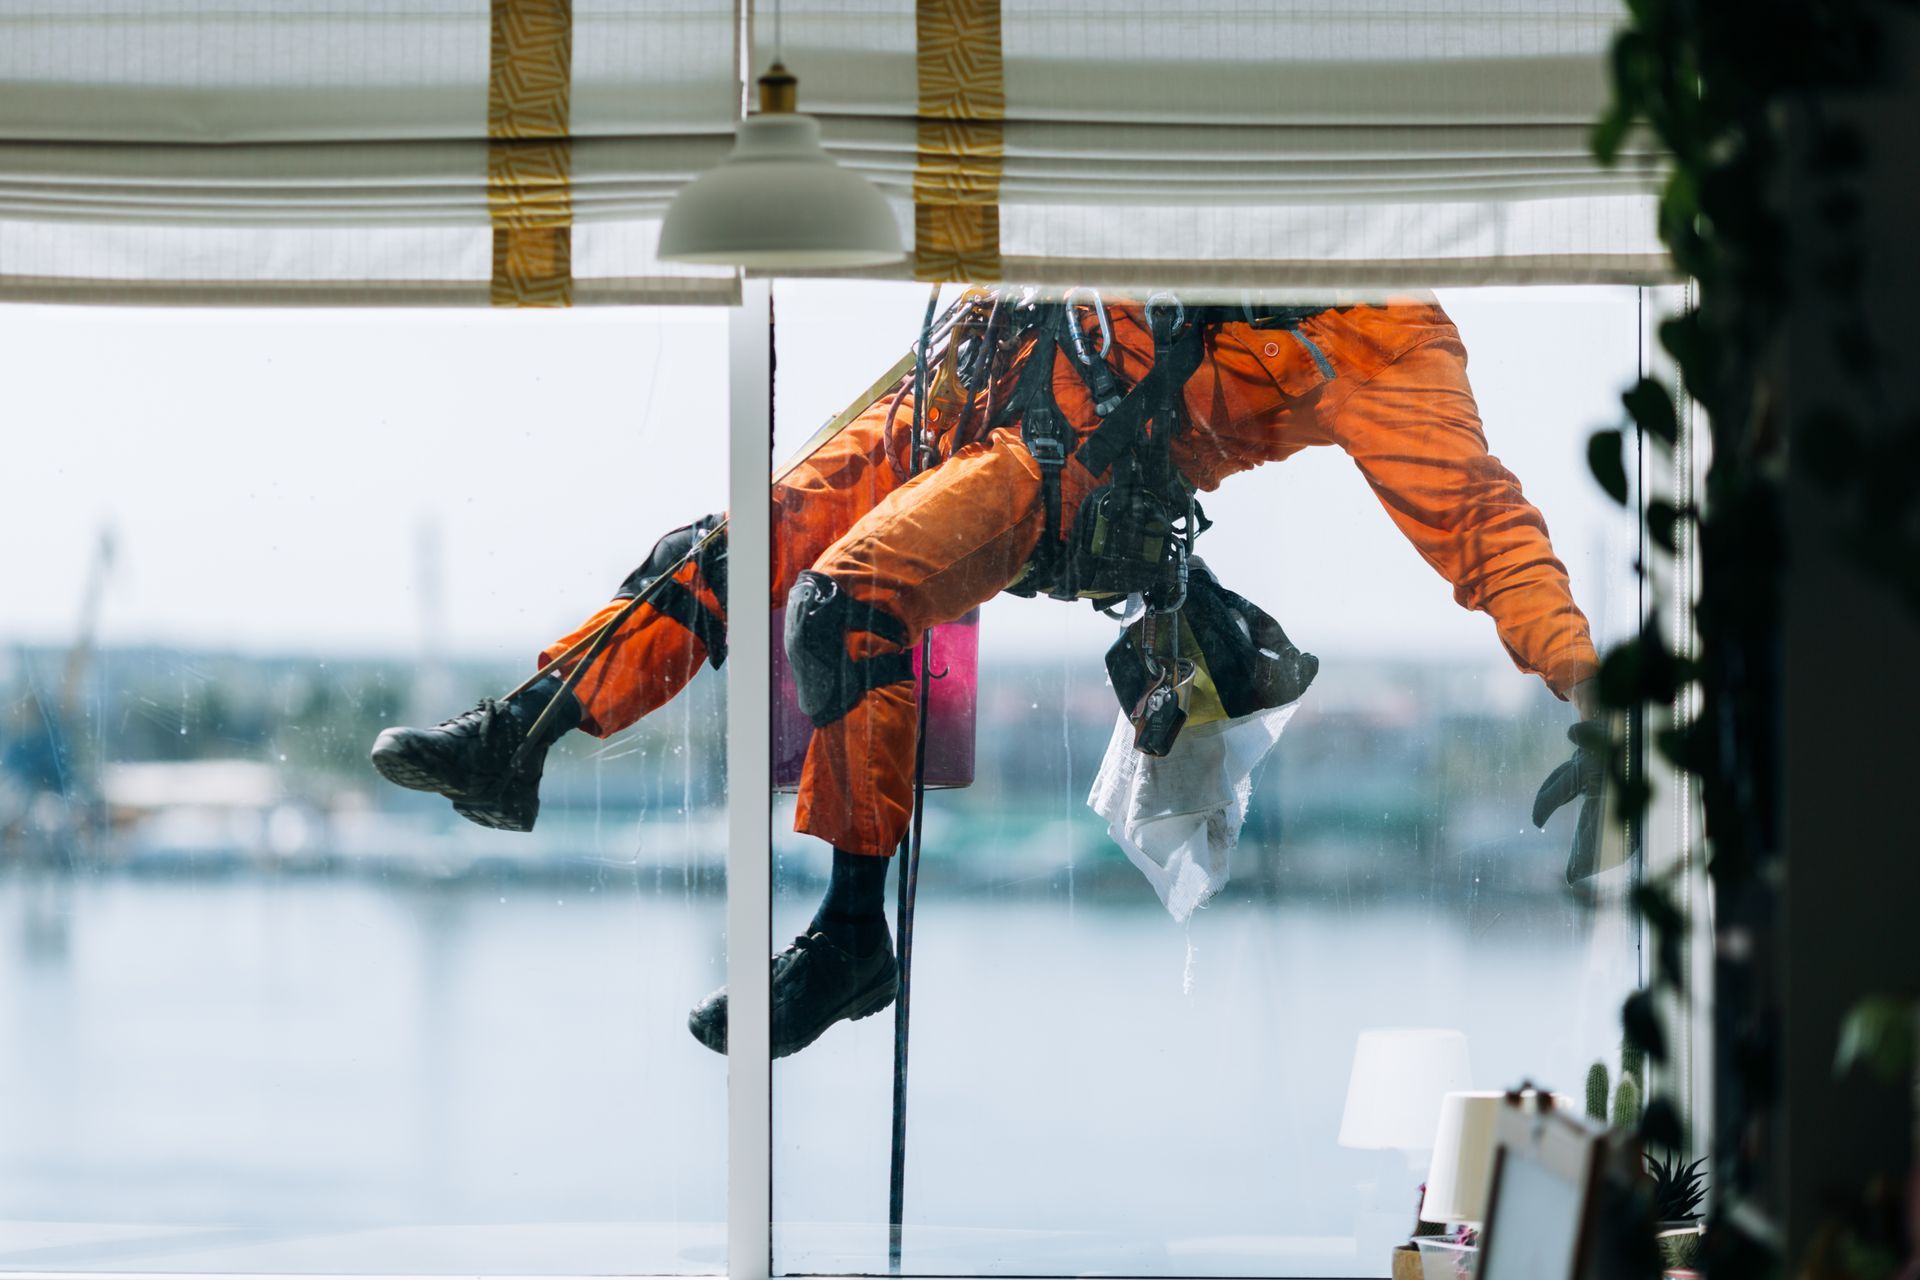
point(1729, 93)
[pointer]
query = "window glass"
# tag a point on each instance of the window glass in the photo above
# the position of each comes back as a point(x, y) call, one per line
point(269, 1012)
point(1095, 1085)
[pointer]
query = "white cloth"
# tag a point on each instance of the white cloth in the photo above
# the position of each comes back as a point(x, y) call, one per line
point(1178, 817)
point(1244, 144)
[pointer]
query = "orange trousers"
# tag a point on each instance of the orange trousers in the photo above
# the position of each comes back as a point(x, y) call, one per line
point(1386, 383)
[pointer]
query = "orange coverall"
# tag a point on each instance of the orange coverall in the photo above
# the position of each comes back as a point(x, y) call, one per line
point(926, 549)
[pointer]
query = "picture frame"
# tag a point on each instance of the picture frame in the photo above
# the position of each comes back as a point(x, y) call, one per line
point(1542, 1201)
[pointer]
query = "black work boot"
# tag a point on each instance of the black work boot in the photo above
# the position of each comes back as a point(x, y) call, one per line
point(469, 759)
point(816, 983)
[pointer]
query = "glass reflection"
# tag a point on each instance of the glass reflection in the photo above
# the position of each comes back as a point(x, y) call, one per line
point(268, 1012)
point(1103, 1076)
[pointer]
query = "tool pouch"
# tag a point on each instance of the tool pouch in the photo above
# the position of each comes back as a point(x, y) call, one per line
point(1155, 694)
point(1124, 543)
point(1231, 650)
point(1252, 663)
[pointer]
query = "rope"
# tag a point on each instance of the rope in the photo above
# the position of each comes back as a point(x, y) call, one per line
point(910, 851)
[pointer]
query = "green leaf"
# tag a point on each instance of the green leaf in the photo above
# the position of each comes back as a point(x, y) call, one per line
point(1658, 908)
point(1650, 404)
point(1620, 669)
point(1667, 924)
point(1604, 459)
point(1662, 519)
point(1631, 798)
point(1660, 1125)
point(1642, 669)
point(1879, 1034)
point(1608, 132)
point(1687, 746)
point(1641, 1021)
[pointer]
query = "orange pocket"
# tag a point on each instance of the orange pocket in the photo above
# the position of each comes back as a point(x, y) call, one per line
point(1290, 358)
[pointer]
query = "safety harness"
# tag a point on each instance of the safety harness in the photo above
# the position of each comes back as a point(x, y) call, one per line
point(655, 577)
point(1133, 535)
point(1131, 541)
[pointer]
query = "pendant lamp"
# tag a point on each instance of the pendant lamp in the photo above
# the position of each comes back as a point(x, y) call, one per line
point(778, 200)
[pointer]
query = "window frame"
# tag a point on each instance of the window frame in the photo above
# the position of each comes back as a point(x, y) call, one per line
point(749, 787)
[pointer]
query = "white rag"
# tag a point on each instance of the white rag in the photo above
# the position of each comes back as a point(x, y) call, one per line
point(1178, 816)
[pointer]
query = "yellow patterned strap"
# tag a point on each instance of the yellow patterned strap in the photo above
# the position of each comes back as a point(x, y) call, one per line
point(529, 157)
point(963, 101)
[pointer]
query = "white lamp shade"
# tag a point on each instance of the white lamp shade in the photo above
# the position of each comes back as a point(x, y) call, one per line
point(1399, 1076)
point(779, 200)
point(1457, 1181)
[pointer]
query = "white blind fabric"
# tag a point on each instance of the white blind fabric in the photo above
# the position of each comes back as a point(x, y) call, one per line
point(1233, 142)
point(358, 151)
point(523, 151)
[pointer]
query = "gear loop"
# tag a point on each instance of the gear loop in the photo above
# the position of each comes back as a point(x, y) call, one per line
point(1158, 301)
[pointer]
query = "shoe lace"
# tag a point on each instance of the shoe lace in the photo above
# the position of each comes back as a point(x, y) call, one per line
point(802, 945)
point(484, 714)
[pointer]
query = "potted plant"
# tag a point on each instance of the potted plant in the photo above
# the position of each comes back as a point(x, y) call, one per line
point(1678, 1190)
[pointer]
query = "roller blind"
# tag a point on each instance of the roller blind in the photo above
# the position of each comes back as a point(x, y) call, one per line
point(1232, 142)
point(357, 151)
point(522, 152)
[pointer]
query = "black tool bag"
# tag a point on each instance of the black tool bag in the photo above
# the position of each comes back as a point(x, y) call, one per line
point(1249, 659)
point(1253, 664)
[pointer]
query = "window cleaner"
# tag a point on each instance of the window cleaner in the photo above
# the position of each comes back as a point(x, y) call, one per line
point(1062, 443)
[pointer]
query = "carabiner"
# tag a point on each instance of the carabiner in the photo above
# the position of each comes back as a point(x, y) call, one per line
point(1099, 311)
point(1180, 556)
point(1094, 369)
point(976, 363)
point(1179, 315)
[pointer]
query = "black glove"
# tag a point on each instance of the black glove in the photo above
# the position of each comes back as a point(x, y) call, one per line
point(1584, 776)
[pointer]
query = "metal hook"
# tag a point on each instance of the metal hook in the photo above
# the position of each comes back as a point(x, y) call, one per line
point(979, 364)
point(1099, 311)
point(1159, 300)
point(1098, 374)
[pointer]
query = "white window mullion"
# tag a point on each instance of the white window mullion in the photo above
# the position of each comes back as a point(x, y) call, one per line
point(749, 787)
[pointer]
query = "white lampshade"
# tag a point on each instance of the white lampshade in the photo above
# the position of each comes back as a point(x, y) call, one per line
point(1399, 1076)
point(779, 200)
point(1462, 1169)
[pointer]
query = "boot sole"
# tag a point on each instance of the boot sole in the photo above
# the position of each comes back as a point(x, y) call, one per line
point(396, 767)
point(498, 817)
point(863, 1005)
point(400, 771)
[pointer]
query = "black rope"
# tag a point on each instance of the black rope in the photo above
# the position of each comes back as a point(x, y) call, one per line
point(910, 853)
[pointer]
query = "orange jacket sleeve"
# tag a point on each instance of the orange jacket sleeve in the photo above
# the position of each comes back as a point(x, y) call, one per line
point(1415, 434)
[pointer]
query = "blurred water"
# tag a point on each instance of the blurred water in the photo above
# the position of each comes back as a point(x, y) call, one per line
point(321, 1074)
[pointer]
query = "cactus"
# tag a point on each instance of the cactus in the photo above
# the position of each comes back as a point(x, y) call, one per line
point(1633, 1062)
point(1597, 1092)
point(1626, 1104)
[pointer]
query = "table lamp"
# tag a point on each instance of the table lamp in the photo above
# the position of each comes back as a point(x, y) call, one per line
point(1400, 1074)
point(1462, 1168)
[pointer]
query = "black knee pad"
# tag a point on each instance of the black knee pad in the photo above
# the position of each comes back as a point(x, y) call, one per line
point(672, 598)
point(820, 616)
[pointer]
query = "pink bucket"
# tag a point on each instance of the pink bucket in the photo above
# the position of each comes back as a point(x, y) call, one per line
point(952, 702)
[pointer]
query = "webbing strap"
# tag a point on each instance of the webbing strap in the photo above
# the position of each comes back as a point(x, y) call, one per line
point(673, 599)
point(1156, 399)
point(1139, 430)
